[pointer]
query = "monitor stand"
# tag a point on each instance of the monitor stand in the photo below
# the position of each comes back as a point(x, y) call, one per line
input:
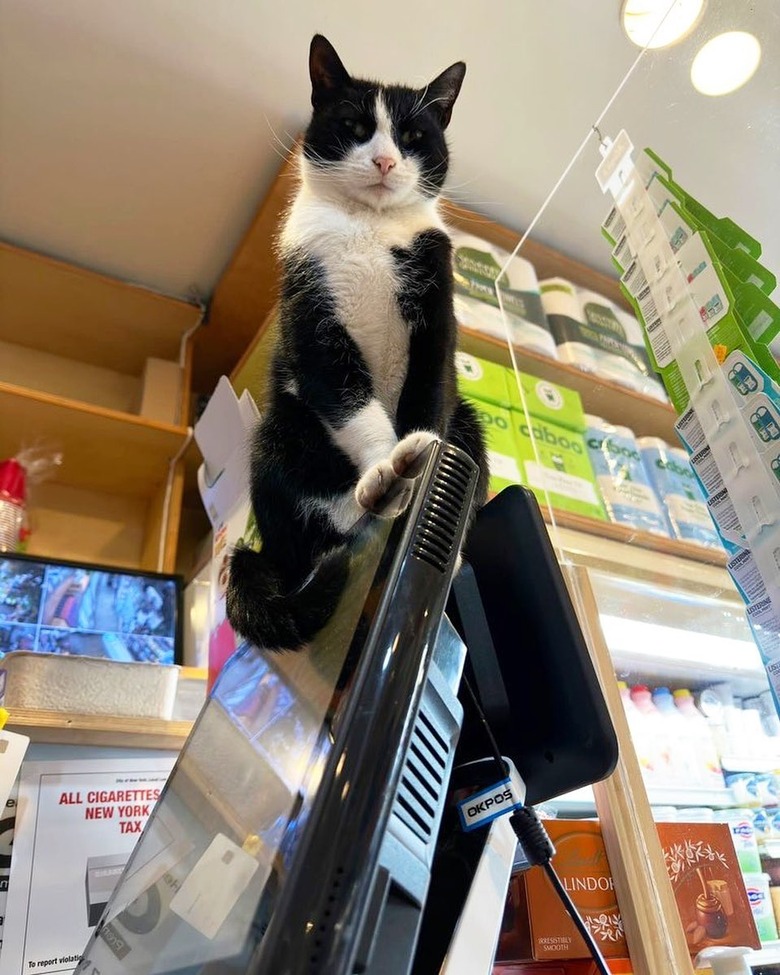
point(473, 946)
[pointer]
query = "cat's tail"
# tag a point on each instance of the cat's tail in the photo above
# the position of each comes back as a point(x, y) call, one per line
point(263, 612)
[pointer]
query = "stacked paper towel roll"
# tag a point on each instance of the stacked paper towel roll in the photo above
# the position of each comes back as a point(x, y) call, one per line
point(477, 265)
point(563, 308)
point(594, 334)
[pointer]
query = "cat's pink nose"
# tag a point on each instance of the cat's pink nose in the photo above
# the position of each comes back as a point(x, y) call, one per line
point(384, 164)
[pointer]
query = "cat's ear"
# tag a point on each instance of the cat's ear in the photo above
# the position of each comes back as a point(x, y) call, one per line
point(441, 93)
point(325, 69)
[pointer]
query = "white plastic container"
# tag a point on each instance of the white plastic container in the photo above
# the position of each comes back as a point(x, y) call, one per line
point(707, 771)
point(740, 822)
point(89, 685)
point(757, 886)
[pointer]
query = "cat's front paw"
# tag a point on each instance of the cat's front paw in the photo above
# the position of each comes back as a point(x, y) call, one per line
point(374, 485)
point(409, 451)
point(382, 492)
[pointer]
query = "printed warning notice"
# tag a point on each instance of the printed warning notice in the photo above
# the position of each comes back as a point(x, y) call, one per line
point(76, 825)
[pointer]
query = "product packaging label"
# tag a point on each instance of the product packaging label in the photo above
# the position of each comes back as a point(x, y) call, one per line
point(483, 380)
point(737, 316)
point(477, 272)
point(602, 330)
point(707, 470)
point(675, 483)
point(725, 516)
point(744, 571)
point(555, 460)
point(689, 429)
point(546, 401)
point(498, 427)
point(625, 488)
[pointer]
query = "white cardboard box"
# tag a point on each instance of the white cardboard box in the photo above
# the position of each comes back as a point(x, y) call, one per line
point(223, 479)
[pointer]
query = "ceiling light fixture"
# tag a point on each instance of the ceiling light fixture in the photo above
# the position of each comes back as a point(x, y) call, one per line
point(725, 63)
point(659, 23)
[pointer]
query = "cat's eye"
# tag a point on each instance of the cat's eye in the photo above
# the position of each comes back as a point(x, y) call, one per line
point(410, 135)
point(356, 128)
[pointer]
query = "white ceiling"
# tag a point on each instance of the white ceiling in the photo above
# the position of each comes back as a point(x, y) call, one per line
point(138, 137)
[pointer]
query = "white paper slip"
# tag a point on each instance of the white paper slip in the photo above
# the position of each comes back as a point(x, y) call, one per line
point(725, 516)
point(12, 752)
point(690, 430)
point(746, 575)
point(706, 467)
point(214, 885)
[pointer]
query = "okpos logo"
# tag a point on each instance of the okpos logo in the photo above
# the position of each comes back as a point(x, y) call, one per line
point(486, 805)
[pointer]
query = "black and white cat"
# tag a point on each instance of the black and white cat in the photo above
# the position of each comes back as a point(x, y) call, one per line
point(363, 377)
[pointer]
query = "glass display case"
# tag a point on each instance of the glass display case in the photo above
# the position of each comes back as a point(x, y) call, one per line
point(594, 406)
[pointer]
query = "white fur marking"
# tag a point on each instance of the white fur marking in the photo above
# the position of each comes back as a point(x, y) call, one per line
point(367, 437)
point(384, 124)
point(343, 511)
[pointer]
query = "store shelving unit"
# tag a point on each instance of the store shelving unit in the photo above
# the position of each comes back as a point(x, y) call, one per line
point(102, 449)
point(73, 345)
point(599, 396)
point(59, 728)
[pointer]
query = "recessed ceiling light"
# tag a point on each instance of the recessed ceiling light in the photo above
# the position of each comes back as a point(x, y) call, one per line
point(659, 23)
point(725, 63)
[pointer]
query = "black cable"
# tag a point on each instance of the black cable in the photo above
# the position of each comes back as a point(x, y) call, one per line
point(571, 910)
point(536, 844)
point(494, 749)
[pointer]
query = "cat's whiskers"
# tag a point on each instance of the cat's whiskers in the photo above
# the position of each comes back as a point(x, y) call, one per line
point(287, 151)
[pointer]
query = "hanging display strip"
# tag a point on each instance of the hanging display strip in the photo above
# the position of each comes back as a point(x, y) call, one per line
point(702, 298)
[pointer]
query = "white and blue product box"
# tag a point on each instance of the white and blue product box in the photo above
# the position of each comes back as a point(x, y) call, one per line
point(675, 483)
point(628, 495)
point(223, 481)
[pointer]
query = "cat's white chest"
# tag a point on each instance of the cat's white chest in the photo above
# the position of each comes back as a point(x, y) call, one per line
point(364, 283)
point(355, 251)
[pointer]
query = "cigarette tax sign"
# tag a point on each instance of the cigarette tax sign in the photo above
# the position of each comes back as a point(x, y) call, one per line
point(76, 825)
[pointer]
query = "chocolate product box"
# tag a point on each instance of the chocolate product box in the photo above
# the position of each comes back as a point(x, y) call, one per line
point(707, 882)
point(536, 925)
point(618, 966)
point(702, 865)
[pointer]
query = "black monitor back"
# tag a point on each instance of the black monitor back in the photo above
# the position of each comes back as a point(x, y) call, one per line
point(531, 668)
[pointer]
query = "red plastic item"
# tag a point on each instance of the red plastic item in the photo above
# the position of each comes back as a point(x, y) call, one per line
point(13, 481)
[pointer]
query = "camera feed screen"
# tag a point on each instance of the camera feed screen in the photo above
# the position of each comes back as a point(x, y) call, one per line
point(88, 612)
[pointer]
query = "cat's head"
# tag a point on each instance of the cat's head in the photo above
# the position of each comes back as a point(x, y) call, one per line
point(379, 145)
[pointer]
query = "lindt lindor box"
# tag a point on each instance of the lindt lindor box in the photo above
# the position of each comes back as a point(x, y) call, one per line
point(536, 925)
point(618, 966)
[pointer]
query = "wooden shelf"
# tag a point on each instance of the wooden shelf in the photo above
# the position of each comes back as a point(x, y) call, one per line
point(645, 416)
point(582, 801)
point(65, 310)
point(54, 727)
point(630, 536)
point(103, 450)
